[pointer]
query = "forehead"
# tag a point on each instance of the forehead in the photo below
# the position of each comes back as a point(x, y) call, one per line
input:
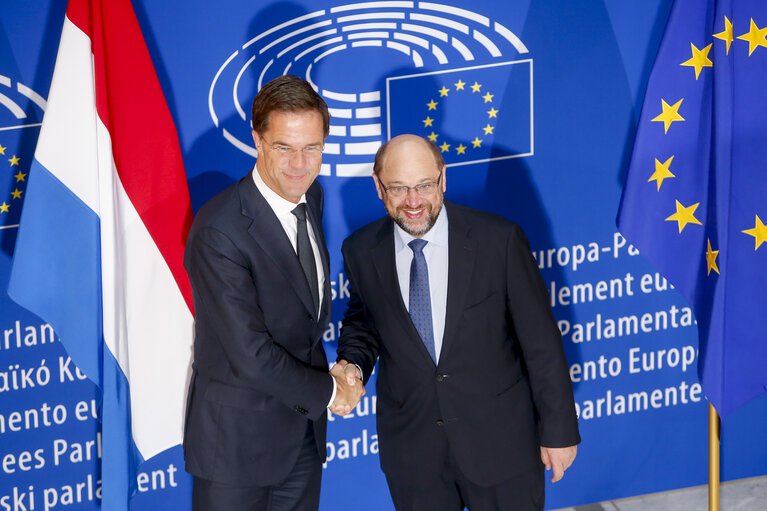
point(409, 162)
point(300, 128)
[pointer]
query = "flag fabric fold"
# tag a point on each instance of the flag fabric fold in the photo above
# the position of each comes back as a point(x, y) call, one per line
point(100, 246)
point(695, 199)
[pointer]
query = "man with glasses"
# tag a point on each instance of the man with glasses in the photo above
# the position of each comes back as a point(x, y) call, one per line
point(257, 261)
point(474, 397)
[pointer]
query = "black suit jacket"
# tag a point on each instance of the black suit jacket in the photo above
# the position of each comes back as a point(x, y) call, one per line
point(260, 369)
point(501, 387)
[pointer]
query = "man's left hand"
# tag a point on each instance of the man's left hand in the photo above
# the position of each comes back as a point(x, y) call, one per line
point(558, 459)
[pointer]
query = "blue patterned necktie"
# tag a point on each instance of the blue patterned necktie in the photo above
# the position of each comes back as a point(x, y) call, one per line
point(420, 299)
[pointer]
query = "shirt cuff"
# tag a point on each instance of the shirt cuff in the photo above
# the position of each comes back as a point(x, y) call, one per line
point(333, 395)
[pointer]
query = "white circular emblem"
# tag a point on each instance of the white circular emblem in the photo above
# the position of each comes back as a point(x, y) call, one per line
point(346, 53)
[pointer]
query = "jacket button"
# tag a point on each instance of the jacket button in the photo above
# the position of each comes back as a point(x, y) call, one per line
point(441, 377)
point(440, 422)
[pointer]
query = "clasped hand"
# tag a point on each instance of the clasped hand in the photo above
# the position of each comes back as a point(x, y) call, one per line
point(349, 387)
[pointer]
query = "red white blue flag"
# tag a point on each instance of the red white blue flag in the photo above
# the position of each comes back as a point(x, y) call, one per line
point(100, 245)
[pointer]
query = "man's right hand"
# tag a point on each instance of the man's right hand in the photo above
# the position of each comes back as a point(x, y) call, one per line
point(349, 388)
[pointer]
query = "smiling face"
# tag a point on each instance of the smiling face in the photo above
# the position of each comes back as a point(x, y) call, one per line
point(291, 174)
point(408, 161)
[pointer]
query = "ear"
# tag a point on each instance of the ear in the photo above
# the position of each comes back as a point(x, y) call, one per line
point(256, 140)
point(379, 187)
point(444, 178)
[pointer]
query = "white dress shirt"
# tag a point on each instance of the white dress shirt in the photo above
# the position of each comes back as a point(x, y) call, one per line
point(283, 210)
point(436, 254)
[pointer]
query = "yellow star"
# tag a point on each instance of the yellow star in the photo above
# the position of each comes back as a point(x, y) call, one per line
point(461, 149)
point(755, 36)
point(445, 147)
point(14, 161)
point(2, 149)
point(475, 87)
point(759, 232)
point(699, 59)
point(428, 121)
point(432, 105)
point(684, 215)
point(492, 113)
point(726, 34)
point(488, 98)
point(20, 176)
point(661, 172)
point(433, 137)
point(670, 114)
point(4, 207)
point(488, 129)
point(16, 194)
point(477, 142)
point(443, 91)
point(459, 84)
point(711, 256)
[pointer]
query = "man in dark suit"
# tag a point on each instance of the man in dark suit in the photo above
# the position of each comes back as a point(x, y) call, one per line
point(474, 396)
point(257, 261)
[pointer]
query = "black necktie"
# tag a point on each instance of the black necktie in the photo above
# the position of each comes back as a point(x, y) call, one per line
point(306, 254)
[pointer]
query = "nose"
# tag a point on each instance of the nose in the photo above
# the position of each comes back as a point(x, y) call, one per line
point(298, 159)
point(412, 199)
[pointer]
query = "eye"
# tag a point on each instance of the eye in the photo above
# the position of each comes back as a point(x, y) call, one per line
point(314, 149)
point(425, 187)
point(282, 149)
point(398, 190)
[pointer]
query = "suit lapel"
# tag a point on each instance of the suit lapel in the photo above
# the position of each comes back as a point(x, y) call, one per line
point(461, 262)
point(382, 255)
point(268, 232)
point(319, 234)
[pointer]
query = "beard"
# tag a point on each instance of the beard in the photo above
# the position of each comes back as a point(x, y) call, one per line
point(417, 231)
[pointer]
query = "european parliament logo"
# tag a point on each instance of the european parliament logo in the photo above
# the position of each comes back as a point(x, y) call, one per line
point(20, 118)
point(458, 77)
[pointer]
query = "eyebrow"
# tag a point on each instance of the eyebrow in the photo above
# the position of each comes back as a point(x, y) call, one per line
point(278, 142)
point(424, 180)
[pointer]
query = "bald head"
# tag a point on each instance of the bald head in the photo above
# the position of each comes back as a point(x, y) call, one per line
point(410, 180)
point(406, 144)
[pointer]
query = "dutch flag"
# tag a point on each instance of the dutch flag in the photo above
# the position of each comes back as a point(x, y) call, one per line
point(100, 245)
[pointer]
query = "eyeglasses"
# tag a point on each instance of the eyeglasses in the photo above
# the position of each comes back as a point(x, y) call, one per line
point(422, 189)
point(287, 152)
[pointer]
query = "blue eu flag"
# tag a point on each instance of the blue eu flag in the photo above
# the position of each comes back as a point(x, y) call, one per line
point(695, 200)
point(474, 114)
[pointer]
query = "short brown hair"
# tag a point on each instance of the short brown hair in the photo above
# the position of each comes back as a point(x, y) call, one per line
point(287, 93)
point(381, 154)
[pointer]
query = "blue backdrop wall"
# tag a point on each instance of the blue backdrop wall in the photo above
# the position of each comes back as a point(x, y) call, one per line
point(540, 131)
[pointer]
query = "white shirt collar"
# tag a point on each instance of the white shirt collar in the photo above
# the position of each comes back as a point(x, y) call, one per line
point(279, 205)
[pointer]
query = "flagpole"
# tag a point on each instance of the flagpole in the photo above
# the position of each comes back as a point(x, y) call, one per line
point(713, 459)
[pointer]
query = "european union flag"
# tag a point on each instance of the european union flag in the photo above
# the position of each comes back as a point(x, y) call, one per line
point(15, 158)
point(695, 200)
point(19, 127)
point(473, 114)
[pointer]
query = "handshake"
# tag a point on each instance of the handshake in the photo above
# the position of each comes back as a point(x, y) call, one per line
point(349, 387)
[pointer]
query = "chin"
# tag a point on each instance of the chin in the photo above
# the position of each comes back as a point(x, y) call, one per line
point(415, 230)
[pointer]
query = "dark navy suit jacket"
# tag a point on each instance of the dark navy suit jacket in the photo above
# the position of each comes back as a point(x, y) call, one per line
point(501, 387)
point(260, 369)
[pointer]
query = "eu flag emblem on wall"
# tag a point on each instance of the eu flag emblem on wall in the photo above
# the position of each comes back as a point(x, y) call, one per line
point(473, 114)
point(695, 200)
point(21, 109)
point(15, 158)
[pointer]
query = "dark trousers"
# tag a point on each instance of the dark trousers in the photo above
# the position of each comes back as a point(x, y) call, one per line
point(453, 492)
point(299, 492)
